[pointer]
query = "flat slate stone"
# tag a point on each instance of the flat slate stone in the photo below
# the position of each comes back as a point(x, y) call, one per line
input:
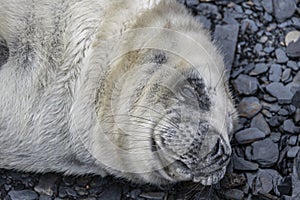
point(265, 181)
point(268, 5)
point(22, 195)
point(281, 56)
point(234, 194)
point(259, 122)
point(284, 9)
point(113, 192)
point(281, 92)
point(292, 152)
point(245, 84)
point(47, 184)
point(275, 73)
point(249, 106)
point(293, 49)
point(260, 68)
point(226, 37)
point(243, 165)
point(289, 126)
point(265, 152)
point(249, 135)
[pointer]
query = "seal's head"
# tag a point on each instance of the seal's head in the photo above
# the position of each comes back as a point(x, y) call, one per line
point(163, 106)
point(171, 120)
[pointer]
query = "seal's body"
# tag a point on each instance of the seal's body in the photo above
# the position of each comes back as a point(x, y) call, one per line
point(130, 88)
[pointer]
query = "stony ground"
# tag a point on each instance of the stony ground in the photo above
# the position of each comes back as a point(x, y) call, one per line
point(262, 49)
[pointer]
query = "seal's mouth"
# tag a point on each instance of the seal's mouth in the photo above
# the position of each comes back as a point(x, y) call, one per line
point(209, 175)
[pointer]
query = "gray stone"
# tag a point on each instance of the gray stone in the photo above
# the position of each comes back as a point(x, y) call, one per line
point(293, 65)
point(153, 195)
point(47, 184)
point(286, 75)
point(268, 5)
point(293, 49)
point(289, 126)
point(113, 192)
point(45, 197)
point(265, 180)
point(206, 22)
point(281, 92)
point(234, 194)
point(281, 56)
point(260, 68)
point(270, 152)
point(22, 195)
point(293, 140)
point(226, 37)
point(245, 84)
point(275, 73)
point(249, 107)
point(284, 9)
point(268, 17)
point(243, 165)
point(296, 99)
point(192, 2)
point(292, 152)
point(259, 122)
point(249, 135)
point(249, 24)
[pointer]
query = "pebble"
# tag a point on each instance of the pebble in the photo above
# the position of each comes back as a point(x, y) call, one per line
point(275, 73)
point(293, 65)
point(289, 126)
point(293, 49)
point(268, 5)
point(192, 3)
point(206, 22)
point(226, 36)
point(249, 135)
point(292, 152)
point(281, 56)
point(292, 36)
point(296, 99)
point(22, 195)
point(241, 164)
point(47, 184)
point(281, 92)
point(249, 106)
point(260, 123)
point(284, 9)
point(153, 195)
point(285, 186)
point(270, 153)
point(265, 180)
point(260, 68)
point(245, 84)
point(113, 192)
point(250, 25)
point(234, 194)
point(286, 75)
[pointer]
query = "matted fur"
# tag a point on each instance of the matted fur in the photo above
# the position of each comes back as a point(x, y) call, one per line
point(61, 83)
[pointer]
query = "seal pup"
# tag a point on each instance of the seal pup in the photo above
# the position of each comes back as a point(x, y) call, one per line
point(135, 89)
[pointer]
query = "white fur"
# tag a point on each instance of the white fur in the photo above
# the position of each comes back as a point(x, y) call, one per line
point(47, 118)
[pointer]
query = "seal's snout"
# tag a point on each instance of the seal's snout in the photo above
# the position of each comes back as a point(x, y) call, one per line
point(206, 168)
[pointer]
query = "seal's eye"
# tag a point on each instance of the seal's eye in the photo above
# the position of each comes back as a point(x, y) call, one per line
point(188, 92)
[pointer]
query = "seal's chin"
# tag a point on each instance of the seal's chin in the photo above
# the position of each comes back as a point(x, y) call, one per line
point(209, 175)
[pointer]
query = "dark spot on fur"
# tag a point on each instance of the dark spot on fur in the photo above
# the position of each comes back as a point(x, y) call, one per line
point(160, 58)
point(203, 98)
point(4, 52)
